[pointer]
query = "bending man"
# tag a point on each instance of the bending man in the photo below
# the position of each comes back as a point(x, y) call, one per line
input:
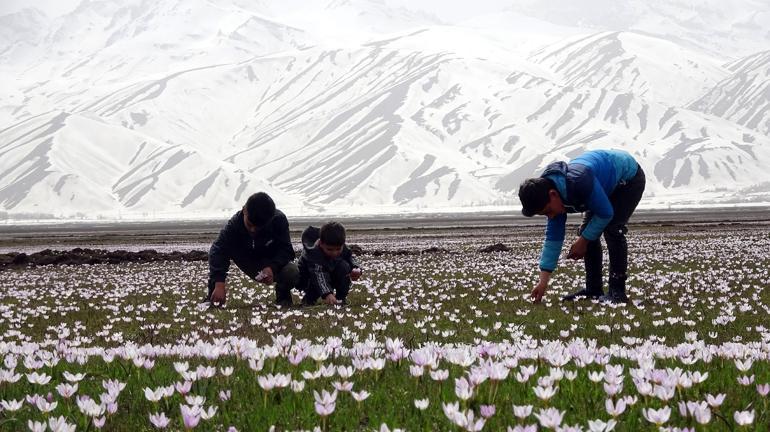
point(604, 184)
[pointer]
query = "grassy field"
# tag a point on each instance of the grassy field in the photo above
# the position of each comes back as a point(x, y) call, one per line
point(441, 340)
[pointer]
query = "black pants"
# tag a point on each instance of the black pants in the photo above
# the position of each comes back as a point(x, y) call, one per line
point(624, 200)
point(339, 277)
point(285, 280)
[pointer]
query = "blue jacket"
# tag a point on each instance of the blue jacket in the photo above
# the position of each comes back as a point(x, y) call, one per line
point(584, 184)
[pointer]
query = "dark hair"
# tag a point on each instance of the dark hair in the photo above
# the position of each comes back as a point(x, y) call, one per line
point(332, 234)
point(260, 208)
point(533, 194)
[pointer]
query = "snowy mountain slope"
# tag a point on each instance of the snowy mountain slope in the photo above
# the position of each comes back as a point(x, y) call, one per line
point(24, 28)
point(170, 119)
point(60, 166)
point(629, 62)
point(728, 29)
point(744, 96)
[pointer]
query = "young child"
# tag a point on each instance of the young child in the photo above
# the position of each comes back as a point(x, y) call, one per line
point(327, 266)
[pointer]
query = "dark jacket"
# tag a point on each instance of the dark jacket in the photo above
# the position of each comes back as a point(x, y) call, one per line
point(315, 268)
point(270, 247)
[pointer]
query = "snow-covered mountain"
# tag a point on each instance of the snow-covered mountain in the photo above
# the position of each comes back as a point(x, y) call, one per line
point(744, 95)
point(160, 109)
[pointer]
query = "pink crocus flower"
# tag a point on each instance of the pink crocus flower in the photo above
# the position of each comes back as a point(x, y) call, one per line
point(325, 402)
point(159, 420)
point(545, 393)
point(36, 378)
point(615, 408)
point(523, 428)
point(416, 371)
point(297, 386)
point(487, 411)
point(463, 388)
point(439, 374)
point(601, 426)
point(73, 378)
point(59, 424)
point(344, 386)
point(744, 418)
point(183, 387)
point(208, 414)
point(657, 416)
point(11, 405)
point(190, 416)
point(702, 415)
point(44, 406)
point(550, 417)
point(152, 395)
point(35, 426)
point(522, 411)
point(195, 400)
point(715, 401)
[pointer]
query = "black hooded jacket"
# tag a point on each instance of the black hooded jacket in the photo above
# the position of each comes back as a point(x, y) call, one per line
point(315, 268)
point(271, 246)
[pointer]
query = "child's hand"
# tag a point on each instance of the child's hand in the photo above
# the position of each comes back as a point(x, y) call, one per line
point(331, 300)
point(265, 276)
point(355, 274)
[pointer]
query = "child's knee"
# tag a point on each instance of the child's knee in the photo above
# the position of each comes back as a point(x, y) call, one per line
point(342, 269)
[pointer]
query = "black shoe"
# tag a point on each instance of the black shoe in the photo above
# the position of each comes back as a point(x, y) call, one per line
point(614, 297)
point(284, 303)
point(583, 293)
point(307, 303)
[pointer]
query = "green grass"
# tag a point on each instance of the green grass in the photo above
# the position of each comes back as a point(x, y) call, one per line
point(694, 292)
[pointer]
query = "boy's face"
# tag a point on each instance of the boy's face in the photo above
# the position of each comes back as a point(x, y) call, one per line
point(250, 227)
point(331, 251)
point(554, 207)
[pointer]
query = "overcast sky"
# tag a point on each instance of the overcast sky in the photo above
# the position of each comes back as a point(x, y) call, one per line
point(448, 10)
point(50, 7)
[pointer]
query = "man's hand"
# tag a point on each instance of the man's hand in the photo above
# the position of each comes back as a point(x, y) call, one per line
point(355, 274)
point(539, 291)
point(267, 276)
point(219, 295)
point(331, 300)
point(541, 287)
point(578, 249)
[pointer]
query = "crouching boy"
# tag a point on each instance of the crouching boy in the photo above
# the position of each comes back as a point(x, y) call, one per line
point(327, 266)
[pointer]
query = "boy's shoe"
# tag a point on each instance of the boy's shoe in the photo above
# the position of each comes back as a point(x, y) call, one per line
point(306, 303)
point(284, 303)
point(583, 293)
point(614, 297)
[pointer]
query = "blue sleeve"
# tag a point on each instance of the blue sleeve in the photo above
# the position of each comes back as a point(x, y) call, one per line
point(554, 240)
point(602, 211)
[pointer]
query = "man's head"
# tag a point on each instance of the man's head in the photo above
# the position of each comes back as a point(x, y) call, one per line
point(258, 211)
point(332, 239)
point(539, 196)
